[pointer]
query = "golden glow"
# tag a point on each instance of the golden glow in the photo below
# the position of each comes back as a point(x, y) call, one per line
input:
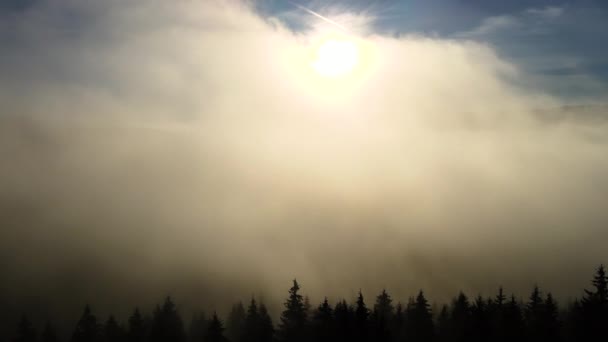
point(335, 57)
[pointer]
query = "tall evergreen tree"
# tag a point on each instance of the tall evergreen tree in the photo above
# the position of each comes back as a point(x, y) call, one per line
point(251, 324)
point(419, 320)
point(323, 323)
point(292, 327)
point(397, 325)
point(381, 317)
point(480, 320)
point(167, 325)
point(198, 327)
point(112, 331)
point(443, 325)
point(513, 321)
point(594, 306)
point(137, 330)
point(87, 329)
point(266, 328)
point(235, 322)
point(550, 322)
point(361, 319)
point(215, 330)
point(533, 315)
point(344, 317)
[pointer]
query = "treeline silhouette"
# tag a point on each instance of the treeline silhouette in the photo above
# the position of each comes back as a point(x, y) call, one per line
point(498, 318)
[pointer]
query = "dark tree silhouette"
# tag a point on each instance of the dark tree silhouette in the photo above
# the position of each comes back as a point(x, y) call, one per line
point(198, 327)
point(235, 323)
point(215, 330)
point(323, 329)
point(480, 324)
point(493, 319)
point(361, 319)
point(137, 329)
point(25, 331)
point(551, 323)
point(112, 331)
point(87, 329)
point(419, 325)
point(594, 307)
point(381, 317)
point(266, 328)
point(292, 327)
point(344, 318)
point(167, 325)
point(397, 324)
point(533, 315)
point(513, 321)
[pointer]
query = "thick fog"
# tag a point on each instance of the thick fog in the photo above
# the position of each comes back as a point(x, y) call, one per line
point(186, 148)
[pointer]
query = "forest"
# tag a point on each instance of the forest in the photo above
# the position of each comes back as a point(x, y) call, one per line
point(500, 317)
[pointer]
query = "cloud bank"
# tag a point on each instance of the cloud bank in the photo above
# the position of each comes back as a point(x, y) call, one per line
point(184, 147)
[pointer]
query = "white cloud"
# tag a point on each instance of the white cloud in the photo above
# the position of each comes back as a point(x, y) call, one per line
point(195, 131)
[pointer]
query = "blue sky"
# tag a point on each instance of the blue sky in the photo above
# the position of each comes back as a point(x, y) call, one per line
point(564, 44)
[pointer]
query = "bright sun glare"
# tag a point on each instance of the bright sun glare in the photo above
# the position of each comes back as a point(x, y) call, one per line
point(335, 58)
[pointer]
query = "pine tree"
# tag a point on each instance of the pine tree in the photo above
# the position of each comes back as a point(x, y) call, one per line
point(198, 327)
point(293, 319)
point(480, 320)
point(461, 319)
point(167, 325)
point(112, 332)
point(215, 330)
point(533, 315)
point(25, 331)
point(344, 316)
point(252, 321)
point(361, 322)
point(235, 323)
point(137, 330)
point(513, 321)
point(381, 317)
point(87, 329)
point(443, 325)
point(323, 323)
point(397, 325)
point(550, 321)
point(419, 320)
point(266, 328)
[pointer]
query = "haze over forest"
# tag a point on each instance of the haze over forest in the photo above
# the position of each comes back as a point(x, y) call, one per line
point(192, 149)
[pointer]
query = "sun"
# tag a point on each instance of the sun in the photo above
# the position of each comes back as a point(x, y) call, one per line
point(335, 57)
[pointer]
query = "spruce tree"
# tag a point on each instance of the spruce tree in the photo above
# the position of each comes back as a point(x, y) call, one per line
point(381, 317)
point(251, 324)
point(87, 329)
point(198, 327)
point(292, 327)
point(167, 325)
point(215, 330)
point(361, 319)
point(266, 328)
point(419, 320)
point(112, 331)
point(323, 323)
point(137, 330)
point(533, 315)
point(235, 322)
